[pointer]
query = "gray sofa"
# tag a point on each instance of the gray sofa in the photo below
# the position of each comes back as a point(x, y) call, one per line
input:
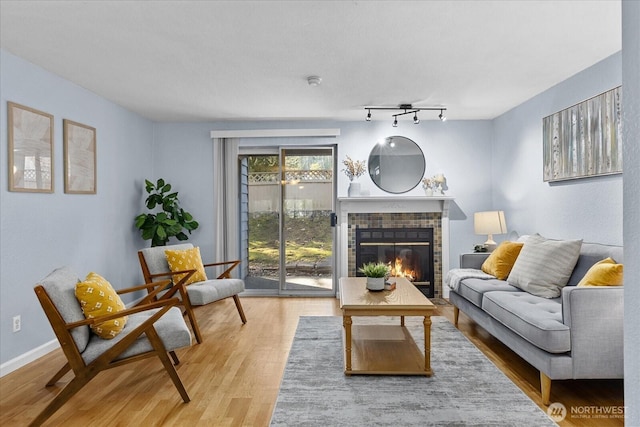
point(578, 335)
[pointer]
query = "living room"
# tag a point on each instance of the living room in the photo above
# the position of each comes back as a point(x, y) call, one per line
point(490, 163)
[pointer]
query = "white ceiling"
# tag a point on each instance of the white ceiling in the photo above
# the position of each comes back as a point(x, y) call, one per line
point(243, 60)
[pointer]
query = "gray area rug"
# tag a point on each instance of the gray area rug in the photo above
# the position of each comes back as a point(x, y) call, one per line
point(466, 388)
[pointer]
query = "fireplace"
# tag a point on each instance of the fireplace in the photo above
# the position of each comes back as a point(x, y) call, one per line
point(407, 251)
point(370, 212)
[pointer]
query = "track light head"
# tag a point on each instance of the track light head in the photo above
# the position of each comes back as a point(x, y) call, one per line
point(395, 121)
point(369, 116)
point(442, 117)
point(416, 120)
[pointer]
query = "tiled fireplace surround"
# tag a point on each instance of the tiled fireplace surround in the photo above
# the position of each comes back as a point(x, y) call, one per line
point(394, 212)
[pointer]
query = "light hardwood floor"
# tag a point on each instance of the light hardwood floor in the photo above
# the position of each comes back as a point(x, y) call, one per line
point(234, 376)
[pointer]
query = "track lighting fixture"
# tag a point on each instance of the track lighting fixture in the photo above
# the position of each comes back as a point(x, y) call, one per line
point(406, 109)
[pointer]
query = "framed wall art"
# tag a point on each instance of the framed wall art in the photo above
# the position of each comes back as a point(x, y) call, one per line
point(30, 134)
point(79, 158)
point(584, 140)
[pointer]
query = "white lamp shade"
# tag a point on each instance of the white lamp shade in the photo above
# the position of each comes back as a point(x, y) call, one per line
point(489, 222)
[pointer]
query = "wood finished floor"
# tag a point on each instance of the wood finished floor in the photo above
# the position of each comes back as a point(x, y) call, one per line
point(234, 376)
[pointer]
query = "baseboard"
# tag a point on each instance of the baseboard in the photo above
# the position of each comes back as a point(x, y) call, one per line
point(28, 357)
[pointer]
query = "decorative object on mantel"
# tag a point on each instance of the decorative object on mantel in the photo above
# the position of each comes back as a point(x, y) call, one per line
point(376, 274)
point(434, 185)
point(407, 109)
point(584, 140)
point(353, 169)
point(489, 223)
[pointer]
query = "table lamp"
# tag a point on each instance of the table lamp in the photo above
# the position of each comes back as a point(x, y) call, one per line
point(489, 223)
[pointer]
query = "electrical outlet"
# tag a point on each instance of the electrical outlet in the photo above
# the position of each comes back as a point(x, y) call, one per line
point(17, 323)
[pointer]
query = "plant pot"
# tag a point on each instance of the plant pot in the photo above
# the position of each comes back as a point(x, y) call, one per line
point(375, 283)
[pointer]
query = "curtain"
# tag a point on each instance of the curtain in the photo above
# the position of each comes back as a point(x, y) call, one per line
point(226, 239)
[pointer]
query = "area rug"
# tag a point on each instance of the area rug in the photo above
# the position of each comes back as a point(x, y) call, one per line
point(466, 388)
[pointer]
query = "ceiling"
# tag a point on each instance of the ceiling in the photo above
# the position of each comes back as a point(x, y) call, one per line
point(249, 60)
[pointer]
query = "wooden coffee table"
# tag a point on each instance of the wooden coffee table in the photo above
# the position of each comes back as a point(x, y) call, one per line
point(384, 349)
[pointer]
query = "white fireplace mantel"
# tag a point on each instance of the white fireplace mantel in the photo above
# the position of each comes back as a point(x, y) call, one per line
point(391, 204)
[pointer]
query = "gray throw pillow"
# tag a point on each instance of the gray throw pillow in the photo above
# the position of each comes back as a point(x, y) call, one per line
point(544, 266)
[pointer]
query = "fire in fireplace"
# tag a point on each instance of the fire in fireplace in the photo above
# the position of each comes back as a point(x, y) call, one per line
point(407, 251)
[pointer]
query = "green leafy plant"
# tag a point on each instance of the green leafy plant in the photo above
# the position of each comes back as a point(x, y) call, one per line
point(373, 269)
point(171, 221)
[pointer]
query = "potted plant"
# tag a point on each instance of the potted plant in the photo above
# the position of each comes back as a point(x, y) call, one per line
point(171, 221)
point(376, 273)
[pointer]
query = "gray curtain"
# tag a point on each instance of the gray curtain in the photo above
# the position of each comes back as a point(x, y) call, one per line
point(226, 239)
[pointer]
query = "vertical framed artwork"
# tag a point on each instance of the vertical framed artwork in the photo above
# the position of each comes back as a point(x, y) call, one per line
point(584, 140)
point(79, 158)
point(30, 149)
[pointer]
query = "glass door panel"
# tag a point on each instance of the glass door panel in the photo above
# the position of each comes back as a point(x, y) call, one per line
point(261, 218)
point(307, 176)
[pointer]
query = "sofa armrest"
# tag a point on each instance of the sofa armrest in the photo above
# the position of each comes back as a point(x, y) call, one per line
point(473, 260)
point(595, 317)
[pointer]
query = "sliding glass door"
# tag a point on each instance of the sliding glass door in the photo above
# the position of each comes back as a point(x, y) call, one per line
point(287, 202)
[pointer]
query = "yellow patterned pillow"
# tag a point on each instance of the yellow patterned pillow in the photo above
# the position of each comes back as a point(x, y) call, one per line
point(187, 259)
point(98, 298)
point(603, 273)
point(501, 260)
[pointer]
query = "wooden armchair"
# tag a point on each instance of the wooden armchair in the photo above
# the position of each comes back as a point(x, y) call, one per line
point(153, 328)
point(155, 266)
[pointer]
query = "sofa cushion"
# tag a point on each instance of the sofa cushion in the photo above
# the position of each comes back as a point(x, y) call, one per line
point(202, 293)
point(501, 260)
point(536, 319)
point(603, 273)
point(591, 253)
point(473, 289)
point(544, 266)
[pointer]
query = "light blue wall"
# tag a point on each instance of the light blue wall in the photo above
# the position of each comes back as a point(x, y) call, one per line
point(40, 232)
point(590, 209)
point(459, 149)
point(631, 137)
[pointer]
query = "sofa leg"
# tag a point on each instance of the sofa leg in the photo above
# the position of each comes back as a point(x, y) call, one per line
point(456, 314)
point(545, 388)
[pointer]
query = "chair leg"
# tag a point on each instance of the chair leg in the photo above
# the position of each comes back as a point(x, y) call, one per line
point(236, 299)
point(66, 368)
point(157, 344)
point(174, 357)
point(192, 317)
point(61, 398)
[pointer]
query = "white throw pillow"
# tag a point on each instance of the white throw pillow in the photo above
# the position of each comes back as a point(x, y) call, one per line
point(545, 266)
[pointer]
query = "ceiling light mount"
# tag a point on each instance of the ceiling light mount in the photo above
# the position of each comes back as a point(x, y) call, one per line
point(314, 80)
point(406, 109)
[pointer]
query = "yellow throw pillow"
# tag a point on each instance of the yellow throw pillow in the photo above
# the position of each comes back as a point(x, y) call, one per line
point(98, 298)
point(501, 260)
point(603, 273)
point(188, 259)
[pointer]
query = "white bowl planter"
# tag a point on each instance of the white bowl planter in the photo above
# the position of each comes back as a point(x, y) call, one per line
point(375, 283)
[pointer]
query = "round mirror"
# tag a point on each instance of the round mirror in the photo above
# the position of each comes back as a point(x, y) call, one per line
point(396, 164)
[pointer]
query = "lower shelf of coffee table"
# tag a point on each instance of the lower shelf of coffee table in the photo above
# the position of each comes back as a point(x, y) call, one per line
point(384, 350)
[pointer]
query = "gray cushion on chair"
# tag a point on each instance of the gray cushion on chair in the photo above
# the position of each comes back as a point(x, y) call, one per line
point(60, 285)
point(171, 328)
point(201, 293)
point(157, 260)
